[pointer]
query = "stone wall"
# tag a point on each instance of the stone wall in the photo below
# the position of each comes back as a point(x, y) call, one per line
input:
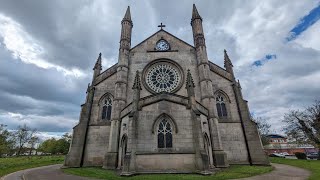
point(166, 162)
point(182, 138)
point(105, 87)
point(221, 83)
point(233, 143)
point(96, 145)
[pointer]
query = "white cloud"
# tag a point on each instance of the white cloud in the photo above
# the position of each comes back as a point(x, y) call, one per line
point(39, 122)
point(309, 38)
point(26, 48)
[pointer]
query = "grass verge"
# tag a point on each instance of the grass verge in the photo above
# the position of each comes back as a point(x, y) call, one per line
point(311, 165)
point(235, 171)
point(12, 164)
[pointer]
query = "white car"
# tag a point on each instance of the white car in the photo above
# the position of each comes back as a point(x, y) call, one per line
point(277, 155)
point(285, 153)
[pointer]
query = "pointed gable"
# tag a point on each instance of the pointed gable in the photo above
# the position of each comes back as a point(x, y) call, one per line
point(149, 44)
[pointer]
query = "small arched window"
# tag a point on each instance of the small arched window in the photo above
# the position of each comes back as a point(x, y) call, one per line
point(164, 134)
point(106, 109)
point(221, 106)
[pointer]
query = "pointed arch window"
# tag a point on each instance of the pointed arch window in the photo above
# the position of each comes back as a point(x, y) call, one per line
point(106, 109)
point(164, 134)
point(221, 106)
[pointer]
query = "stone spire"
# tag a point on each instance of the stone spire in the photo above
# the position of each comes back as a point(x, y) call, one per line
point(195, 14)
point(97, 67)
point(190, 84)
point(126, 23)
point(227, 63)
point(206, 90)
point(127, 16)
point(197, 29)
point(137, 83)
point(98, 63)
point(120, 99)
point(239, 85)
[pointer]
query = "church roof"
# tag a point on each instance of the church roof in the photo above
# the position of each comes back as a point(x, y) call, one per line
point(165, 32)
point(106, 74)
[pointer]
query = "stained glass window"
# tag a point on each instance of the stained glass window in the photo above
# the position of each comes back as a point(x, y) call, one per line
point(106, 109)
point(221, 106)
point(163, 77)
point(164, 134)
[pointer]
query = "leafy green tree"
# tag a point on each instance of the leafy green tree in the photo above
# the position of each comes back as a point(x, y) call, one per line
point(56, 146)
point(6, 141)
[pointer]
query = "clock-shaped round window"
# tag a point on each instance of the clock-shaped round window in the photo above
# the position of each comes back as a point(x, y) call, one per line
point(162, 45)
point(163, 76)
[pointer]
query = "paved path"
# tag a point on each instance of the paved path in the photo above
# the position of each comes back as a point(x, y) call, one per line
point(53, 172)
point(282, 172)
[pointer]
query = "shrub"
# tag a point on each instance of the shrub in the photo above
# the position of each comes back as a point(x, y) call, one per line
point(300, 155)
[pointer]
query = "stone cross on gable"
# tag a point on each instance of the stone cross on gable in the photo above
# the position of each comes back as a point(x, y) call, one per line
point(162, 25)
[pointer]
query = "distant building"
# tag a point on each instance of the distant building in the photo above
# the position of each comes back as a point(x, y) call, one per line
point(280, 144)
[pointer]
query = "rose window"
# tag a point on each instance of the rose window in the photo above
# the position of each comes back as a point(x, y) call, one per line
point(163, 78)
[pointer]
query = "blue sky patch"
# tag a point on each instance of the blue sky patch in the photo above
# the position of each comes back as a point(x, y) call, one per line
point(305, 23)
point(261, 62)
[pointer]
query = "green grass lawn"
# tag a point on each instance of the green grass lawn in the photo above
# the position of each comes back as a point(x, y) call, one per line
point(235, 171)
point(311, 165)
point(12, 164)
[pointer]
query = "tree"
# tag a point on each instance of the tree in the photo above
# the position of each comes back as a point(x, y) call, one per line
point(305, 124)
point(263, 128)
point(56, 146)
point(32, 142)
point(6, 141)
point(65, 143)
point(23, 135)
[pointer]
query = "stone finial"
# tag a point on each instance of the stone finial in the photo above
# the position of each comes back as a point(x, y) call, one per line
point(137, 83)
point(239, 84)
point(98, 65)
point(127, 16)
point(88, 88)
point(227, 63)
point(195, 14)
point(189, 82)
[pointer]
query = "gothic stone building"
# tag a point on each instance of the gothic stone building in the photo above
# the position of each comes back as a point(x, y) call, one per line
point(164, 107)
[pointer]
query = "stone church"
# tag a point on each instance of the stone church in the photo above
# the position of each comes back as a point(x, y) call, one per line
point(164, 108)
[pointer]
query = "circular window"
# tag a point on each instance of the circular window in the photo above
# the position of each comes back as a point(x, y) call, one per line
point(163, 77)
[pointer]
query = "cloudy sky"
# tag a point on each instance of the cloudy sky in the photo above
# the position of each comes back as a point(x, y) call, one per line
point(48, 49)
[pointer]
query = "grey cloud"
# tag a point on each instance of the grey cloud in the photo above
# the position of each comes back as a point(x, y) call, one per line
point(72, 33)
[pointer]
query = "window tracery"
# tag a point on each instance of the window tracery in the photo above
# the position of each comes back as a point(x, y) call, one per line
point(221, 106)
point(164, 134)
point(163, 77)
point(106, 109)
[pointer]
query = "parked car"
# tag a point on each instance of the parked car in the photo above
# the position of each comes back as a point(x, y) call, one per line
point(277, 155)
point(285, 153)
point(312, 155)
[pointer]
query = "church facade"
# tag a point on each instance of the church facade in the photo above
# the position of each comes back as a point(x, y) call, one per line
point(164, 108)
